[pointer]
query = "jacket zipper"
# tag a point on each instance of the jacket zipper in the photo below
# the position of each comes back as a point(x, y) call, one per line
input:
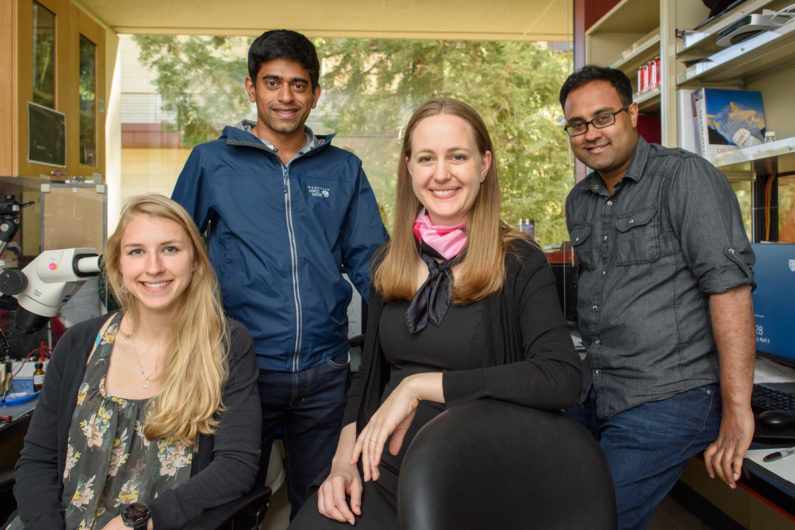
point(288, 212)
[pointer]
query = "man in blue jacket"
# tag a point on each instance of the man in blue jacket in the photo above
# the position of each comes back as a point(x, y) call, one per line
point(284, 210)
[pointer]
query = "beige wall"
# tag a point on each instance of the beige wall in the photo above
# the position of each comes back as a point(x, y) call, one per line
point(150, 170)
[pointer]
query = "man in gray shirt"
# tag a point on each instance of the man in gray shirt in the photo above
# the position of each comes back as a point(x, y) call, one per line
point(664, 300)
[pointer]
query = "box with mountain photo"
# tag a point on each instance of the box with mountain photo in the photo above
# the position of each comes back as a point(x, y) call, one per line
point(727, 120)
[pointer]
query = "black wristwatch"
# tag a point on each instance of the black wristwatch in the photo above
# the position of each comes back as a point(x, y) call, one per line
point(135, 515)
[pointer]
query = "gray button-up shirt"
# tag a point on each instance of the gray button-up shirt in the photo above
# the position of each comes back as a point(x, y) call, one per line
point(649, 256)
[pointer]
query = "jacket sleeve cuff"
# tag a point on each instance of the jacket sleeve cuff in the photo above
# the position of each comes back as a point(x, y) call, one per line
point(460, 386)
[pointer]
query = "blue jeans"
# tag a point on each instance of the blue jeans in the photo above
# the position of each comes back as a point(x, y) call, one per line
point(308, 408)
point(648, 446)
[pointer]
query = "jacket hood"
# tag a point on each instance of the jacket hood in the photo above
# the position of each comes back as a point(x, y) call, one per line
point(242, 132)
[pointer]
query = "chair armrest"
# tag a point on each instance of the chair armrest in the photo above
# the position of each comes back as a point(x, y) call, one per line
point(253, 504)
point(357, 340)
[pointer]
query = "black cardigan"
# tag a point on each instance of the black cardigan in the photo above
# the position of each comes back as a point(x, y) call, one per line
point(531, 361)
point(223, 470)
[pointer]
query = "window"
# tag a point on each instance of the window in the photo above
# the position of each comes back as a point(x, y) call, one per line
point(88, 98)
point(43, 56)
point(743, 188)
point(369, 89)
point(786, 209)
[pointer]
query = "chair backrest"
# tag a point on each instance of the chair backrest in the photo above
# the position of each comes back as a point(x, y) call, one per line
point(490, 464)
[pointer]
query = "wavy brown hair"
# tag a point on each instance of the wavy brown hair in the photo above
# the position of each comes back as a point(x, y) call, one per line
point(195, 370)
point(482, 271)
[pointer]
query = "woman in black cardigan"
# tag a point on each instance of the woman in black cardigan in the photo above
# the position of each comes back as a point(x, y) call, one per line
point(150, 415)
point(461, 308)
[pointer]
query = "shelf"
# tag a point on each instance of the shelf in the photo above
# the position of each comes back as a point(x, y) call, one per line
point(741, 61)
point(758, 152)
point(629, 16)
point(623, 33)
point(643, 50)
point(705, 36)
point(648, 101)
point(26, 182)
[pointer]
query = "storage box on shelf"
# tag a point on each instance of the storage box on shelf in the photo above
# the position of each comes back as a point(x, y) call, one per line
point(727, 120)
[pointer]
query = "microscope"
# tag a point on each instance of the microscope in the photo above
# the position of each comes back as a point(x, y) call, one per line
point(43, 286)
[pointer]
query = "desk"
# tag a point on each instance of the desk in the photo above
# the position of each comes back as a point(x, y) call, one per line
point(765, 498)
point(12, 437)
point(775, 481)
point(767, 371)
point(13, 433)
point(762, 500)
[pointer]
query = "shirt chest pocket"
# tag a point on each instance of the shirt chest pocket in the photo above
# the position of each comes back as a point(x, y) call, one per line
point(637, 238)
point(583, 245)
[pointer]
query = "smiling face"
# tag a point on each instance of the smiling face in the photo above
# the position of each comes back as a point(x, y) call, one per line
point(608, 151)
point(446, 168)
point(284, 97)
point(156, 263)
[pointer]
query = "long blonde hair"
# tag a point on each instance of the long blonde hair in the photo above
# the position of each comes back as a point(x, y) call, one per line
point(194, 371)
point(482, 271)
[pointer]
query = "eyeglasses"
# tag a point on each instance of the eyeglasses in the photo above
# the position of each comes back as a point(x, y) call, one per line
point(599, 122)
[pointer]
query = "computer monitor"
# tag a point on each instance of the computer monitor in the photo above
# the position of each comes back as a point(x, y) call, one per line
point(774, 301)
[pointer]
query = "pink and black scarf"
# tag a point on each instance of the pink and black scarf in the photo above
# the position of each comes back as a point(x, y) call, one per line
point(435, 242)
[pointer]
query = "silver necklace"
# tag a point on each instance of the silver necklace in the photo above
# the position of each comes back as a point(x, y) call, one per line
point(141, 368)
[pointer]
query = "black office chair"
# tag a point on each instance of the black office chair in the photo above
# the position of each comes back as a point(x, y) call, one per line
point(490, 464)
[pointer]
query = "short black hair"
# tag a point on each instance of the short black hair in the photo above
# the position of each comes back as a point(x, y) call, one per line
point(283, 44)
point(591, 72)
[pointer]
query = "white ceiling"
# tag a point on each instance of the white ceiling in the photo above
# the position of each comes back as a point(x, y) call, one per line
point(546, 20)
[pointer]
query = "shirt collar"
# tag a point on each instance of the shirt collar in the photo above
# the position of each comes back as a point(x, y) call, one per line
point(639, 157)
point(594, 183)
point(312, 141)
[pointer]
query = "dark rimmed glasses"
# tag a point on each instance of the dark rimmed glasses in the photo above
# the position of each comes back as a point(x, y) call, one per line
point(601, 121)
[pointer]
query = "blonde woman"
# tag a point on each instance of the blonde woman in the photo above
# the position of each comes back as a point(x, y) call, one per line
point(461, 308)
point(150, 415)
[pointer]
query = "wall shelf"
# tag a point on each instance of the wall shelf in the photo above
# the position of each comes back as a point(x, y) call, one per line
point(705, 36)
point(746, 59)
point(778, 148)
point(648, 101)
point(641, 52)
point(628, 32)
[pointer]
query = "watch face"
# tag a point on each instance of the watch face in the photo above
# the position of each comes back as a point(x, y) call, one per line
point(135, 513)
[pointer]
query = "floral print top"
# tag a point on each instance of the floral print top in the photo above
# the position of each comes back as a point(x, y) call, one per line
point(109, 461)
